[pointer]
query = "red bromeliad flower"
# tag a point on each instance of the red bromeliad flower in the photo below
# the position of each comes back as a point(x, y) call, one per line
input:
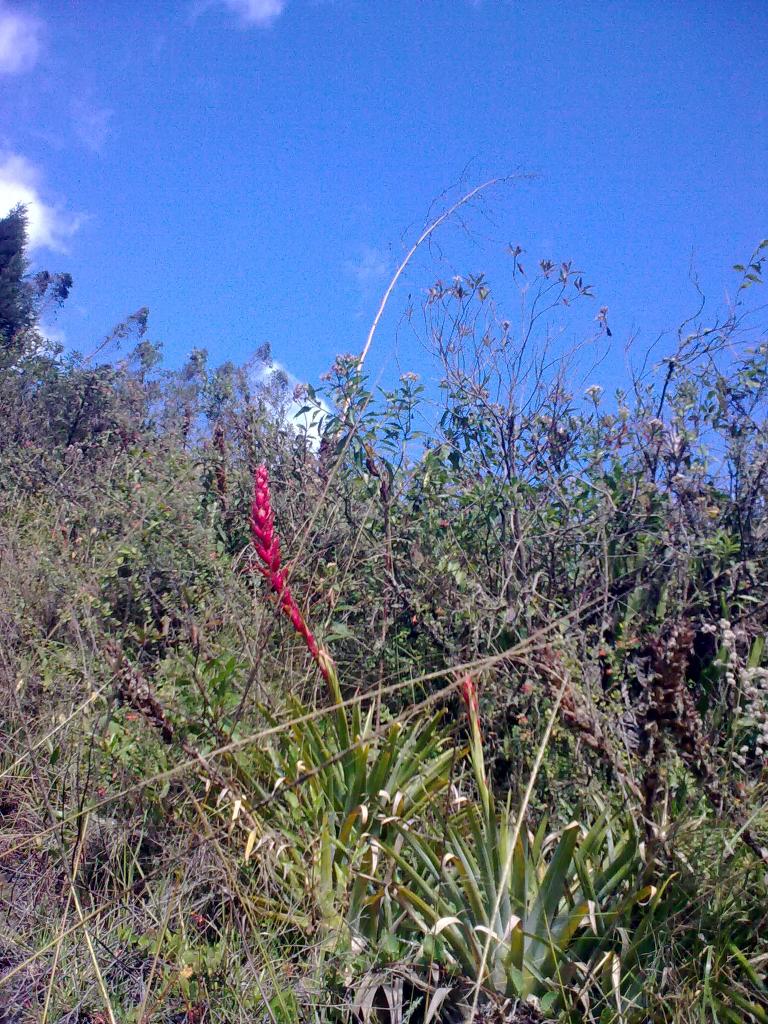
point(469, 696)
point(267, 546)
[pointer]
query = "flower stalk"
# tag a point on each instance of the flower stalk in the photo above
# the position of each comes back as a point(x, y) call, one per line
point(469, 696)
point(266, 544)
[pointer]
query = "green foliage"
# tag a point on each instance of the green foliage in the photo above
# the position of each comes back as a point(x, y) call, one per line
point(16, 308)
point(550, 897)
point(224, 840)
point(340, 787)
point(523, 915)
point(23, 298)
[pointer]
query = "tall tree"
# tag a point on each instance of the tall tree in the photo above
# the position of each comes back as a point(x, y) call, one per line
point(23, 298)
point(17, 300)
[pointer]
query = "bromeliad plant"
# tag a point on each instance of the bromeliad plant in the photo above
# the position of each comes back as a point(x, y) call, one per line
point(531, 917)
point(526, 916)
point(342, 783)
point(339, 802)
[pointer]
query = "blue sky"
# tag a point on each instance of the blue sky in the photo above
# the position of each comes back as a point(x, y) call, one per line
point(251, 169)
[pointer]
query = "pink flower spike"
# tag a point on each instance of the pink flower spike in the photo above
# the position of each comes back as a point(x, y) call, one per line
point(266, 544)
point(469, 695)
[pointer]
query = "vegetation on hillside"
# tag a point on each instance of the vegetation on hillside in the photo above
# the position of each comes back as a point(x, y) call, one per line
point(451, 703)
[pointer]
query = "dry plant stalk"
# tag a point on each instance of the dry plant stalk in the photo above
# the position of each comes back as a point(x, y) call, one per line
point(672, 710)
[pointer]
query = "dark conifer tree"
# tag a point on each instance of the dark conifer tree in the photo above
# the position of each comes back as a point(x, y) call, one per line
point(23, 297)
point(17, 300)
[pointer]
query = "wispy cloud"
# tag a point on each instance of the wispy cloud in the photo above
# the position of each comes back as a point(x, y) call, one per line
point(91, 124)
point(370, 268)
point(50, 226)
point(249, 12)
point(20, 40)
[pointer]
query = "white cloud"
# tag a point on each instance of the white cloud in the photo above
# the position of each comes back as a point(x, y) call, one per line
point(310, 422)
point(250, 12)
point(91, 124)
point(20, 40)
point(370, 269)
point(49, 225)
point(54, 335)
